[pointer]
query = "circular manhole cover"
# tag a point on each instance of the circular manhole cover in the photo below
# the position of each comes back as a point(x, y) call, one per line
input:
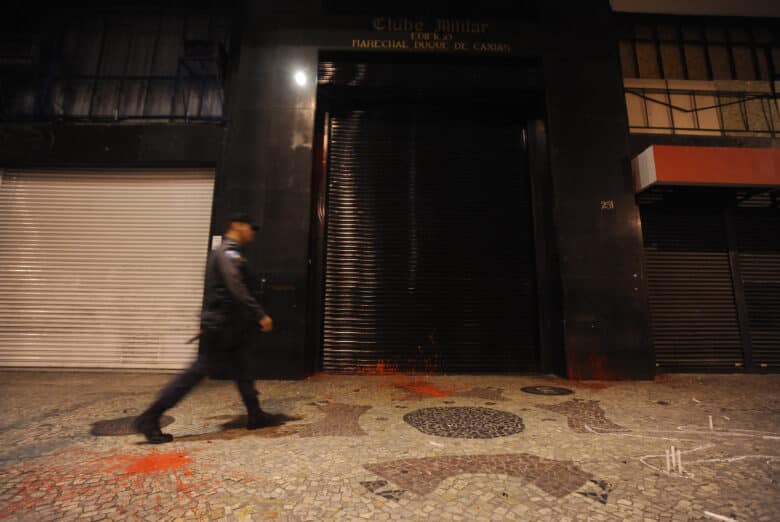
point(121, 426)
point(547, 390)
point(465, 422)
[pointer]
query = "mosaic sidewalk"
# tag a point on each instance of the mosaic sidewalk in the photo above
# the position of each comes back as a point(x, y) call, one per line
point(394, 447)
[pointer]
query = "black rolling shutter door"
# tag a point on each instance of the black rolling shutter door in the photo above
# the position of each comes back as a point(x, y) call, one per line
point(694, 317)
point(428, 244)
point(758, 242)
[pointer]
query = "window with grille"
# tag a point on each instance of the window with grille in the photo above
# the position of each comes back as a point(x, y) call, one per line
point(687, 75)
point(118, 64)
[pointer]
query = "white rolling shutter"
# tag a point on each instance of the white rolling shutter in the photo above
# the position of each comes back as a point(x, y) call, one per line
point(102, 268)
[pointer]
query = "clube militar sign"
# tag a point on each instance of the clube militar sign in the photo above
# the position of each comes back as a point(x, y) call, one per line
point(440, 34)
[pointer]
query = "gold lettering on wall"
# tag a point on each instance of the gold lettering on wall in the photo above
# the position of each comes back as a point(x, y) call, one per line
point(436, 46)
point(492, 47)
point(438, 35)
point(398, 25)
point(379, 44)
point(442, 25)
point(448, 25)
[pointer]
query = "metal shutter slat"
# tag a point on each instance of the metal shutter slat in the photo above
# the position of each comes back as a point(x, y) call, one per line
point(758, 242)
point(410, 277)
point(102, 268)
point(694, 319)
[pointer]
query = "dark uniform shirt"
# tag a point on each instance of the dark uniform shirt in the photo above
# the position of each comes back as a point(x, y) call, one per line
point(228, 299)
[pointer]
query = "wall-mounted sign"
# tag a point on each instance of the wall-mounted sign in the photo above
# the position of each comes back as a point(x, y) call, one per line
point(439, 34)
point(706, 166)
point(416, 25)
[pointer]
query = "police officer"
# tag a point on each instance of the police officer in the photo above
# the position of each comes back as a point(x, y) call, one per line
point(229, 313)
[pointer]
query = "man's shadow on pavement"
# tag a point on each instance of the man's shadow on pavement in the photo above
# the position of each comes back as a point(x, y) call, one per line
point(121, 426)
point(235, 428)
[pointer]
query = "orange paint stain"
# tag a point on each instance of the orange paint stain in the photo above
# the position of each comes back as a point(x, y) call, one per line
point(147, 474)
point(383, 368)
point(180, 486)
point(154, 462)
point(426, 388)
point(380, 368)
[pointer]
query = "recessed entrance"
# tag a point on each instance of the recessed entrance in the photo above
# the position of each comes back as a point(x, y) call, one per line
point(428, 244)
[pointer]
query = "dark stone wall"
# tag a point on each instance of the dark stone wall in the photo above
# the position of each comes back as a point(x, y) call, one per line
point(605, 321)
point(266, 171)
point(60, 145)
point(268, 159)
point(264, 165)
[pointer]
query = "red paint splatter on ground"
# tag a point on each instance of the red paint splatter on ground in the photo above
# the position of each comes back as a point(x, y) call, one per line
point(380, 368)
point(154, 462)
point(86, 478)
point(426, 388)
point(418, 389)
point(385, 368)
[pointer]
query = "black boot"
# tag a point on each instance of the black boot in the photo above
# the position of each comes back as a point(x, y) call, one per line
point(149, 425)
point(258, 418)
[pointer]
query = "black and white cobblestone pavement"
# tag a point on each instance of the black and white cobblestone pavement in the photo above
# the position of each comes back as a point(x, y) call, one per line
point(394, 447)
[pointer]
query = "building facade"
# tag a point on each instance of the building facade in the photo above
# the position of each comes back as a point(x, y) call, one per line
point(438, 189)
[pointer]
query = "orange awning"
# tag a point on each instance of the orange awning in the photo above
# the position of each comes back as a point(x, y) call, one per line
point(711, 166)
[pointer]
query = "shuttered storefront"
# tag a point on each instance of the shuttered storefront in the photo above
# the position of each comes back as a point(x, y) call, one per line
point(102, 269)
point(757, 225)
point(713, 271)
point(429, 250)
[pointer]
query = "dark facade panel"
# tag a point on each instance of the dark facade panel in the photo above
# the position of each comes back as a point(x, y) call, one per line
point(485, 8)
point(269, 151)
point(120, 62)
point(25, 145)
point(606, 332)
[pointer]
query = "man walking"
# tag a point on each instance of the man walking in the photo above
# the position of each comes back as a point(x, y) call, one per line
point(229, 313)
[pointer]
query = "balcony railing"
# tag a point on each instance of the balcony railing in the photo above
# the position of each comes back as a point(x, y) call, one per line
point(709, 108)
